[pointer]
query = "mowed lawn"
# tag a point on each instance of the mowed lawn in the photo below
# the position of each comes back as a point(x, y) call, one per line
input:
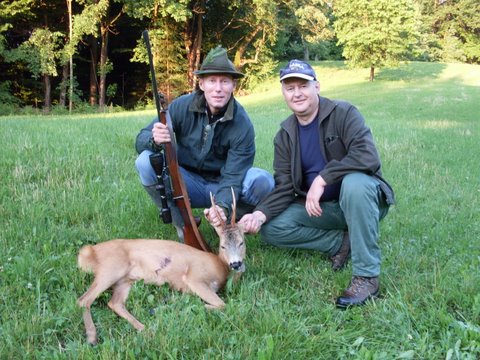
point(67, 181)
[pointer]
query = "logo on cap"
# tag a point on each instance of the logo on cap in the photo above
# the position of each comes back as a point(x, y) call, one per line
point(298, 69)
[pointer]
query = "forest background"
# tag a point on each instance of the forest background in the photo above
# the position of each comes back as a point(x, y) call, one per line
point(60, 55)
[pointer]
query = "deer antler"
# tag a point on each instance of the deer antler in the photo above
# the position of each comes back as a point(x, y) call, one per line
point(214, 206)
point(234, 207)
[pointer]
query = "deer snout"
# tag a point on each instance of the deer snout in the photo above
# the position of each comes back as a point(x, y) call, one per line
point(236, 265)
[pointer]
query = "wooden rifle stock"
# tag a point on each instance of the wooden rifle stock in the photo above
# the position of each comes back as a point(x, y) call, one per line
point(191, 234)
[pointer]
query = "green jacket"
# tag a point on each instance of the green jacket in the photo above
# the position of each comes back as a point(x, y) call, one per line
point(224, 154)
point(346, 144)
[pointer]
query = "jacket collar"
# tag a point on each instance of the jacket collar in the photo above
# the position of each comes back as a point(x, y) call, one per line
point(199, 105)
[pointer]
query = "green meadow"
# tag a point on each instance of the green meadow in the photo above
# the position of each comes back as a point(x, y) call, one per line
point(67, 181)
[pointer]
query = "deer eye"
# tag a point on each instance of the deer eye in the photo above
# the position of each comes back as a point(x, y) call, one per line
point(241, 244)
point(223, 247)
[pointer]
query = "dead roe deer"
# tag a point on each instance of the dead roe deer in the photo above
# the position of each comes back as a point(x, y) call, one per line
point(117, 264)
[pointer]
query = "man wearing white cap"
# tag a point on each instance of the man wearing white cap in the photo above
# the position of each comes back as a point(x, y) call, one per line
point(329, 194)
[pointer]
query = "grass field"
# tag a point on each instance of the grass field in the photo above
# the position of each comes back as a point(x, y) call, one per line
point(68, 181)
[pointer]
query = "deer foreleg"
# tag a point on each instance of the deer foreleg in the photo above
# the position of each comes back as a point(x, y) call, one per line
point(212, 300)
point(117, 304)
point(99, 285)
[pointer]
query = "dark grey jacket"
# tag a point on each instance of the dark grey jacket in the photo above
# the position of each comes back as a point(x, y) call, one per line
point(224, 154)
point(346, 144)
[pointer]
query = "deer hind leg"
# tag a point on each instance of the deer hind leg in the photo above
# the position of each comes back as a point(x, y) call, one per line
point(99, 285)
point(212, 300)
point(117, 303)
point(90, 329)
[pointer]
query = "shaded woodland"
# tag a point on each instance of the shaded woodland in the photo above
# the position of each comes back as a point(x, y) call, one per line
point(89, 54)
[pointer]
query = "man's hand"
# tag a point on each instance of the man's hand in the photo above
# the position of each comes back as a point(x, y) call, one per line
point(160, 133)
point(253, 222)
point(212, 215)
point(312, 204)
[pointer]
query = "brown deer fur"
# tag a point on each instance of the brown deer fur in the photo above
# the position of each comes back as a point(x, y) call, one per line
point(117, 264)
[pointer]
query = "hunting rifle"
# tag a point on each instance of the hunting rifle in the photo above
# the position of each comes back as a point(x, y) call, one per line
point(191, 233)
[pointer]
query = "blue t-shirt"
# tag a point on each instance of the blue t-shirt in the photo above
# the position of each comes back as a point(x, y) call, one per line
point(313, 161)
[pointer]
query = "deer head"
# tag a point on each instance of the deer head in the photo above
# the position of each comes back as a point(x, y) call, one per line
point(232, 240)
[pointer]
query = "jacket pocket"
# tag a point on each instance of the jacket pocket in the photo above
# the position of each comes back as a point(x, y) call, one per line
point(335, 148)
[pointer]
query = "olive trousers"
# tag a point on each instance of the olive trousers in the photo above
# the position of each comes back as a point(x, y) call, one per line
point(359, 210)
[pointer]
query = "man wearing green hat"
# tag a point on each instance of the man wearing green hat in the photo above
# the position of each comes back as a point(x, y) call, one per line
point(215, 144)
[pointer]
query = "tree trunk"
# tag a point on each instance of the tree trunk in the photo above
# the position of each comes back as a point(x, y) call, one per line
point(193, 39)
point(92, 42)
point(372, 72)
point(106, 26)
point(62, 101)
point(239, 60)
point(103, 71)
point(70, 60)
point(47, 90)
point(306, 53)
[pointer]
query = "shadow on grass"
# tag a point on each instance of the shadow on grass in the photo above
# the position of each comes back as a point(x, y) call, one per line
point(428, 99)
point(410, 72)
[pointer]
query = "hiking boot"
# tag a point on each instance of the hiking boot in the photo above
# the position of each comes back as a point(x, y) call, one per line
point(361, 290)
point(340, 259)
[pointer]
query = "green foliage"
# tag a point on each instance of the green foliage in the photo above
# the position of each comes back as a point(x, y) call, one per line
point(2, 42)
point(112, 90)
point(305, 27)
point(87, 22)
point(327, 50)
point(459, 30)
point(39, 52)
point(256, 33)
point(257, 73)
point(178, 10)
point(23, 25)
point(5, 95)
point(312, 20)
point(248, 29)
point(169, 62)
point(77, 94)
point(450, 30)
point(12, 8)
point(103, 70)
point(168, 47)
point(375, 32)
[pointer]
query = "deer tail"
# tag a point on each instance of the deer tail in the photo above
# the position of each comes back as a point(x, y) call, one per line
point(86, 258)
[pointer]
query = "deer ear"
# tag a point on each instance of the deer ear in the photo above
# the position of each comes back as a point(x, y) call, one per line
point(220, 229)
point(241, 227)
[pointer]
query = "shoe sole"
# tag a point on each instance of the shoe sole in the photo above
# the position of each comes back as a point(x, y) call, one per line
point(369, 298)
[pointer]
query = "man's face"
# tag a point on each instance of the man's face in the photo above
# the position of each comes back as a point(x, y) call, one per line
point(301, 96)
point(218, 89)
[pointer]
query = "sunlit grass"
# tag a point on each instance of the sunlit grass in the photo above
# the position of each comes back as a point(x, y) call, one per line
point(70, 180)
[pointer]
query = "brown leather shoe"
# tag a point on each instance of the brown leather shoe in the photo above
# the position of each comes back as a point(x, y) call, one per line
point(340, 259)
point(361, 290)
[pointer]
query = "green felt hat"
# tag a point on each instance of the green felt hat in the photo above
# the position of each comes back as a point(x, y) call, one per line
point(217, 62)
